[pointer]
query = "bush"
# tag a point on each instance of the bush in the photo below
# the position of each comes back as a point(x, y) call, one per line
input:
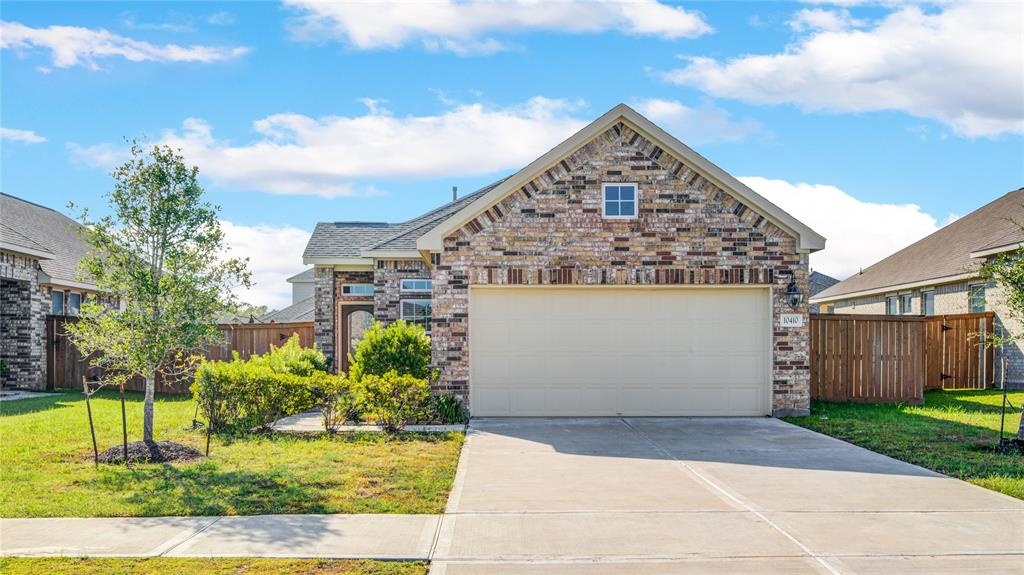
point(447, 409)
point(338, 403)
point(393, 398)
point(400, 347)
point(241, 395)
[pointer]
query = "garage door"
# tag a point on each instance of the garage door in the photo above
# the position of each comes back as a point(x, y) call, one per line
point(619, 351)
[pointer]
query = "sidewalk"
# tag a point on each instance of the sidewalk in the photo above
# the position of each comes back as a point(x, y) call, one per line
point(376, 536)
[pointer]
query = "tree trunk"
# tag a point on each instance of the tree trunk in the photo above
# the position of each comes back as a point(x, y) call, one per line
point(1020, 428)
point(147, 408)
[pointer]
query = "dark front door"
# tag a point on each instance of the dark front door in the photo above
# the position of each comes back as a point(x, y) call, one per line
point(355, 319)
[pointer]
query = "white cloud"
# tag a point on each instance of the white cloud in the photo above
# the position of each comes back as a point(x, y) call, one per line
point(274, 252)
point(27, 136)
point(221, 18)
point(465, 27)
point(820, 19)
point(298, 154)
point(704, 124)
point(76, 46)
point(858, 233)
point(963, 66)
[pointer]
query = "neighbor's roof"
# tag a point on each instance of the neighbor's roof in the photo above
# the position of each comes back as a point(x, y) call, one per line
point(945, 254)
point(305, 276)
point(349, 239)
point(819, 282)
point(24, 221)
point(301, 310)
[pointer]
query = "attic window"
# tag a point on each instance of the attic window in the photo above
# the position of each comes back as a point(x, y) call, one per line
point(619, 201)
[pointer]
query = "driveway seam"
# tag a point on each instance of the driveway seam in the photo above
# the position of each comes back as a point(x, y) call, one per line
point(821, 560)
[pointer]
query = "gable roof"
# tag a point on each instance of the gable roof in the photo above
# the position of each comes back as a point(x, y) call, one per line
point(306, 276)
point(807, 239)
point(819, 282)
point(25, 222)
point(332, 241)
point(948, 254)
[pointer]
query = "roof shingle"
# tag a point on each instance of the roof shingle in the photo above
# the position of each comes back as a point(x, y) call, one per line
point(50, 229)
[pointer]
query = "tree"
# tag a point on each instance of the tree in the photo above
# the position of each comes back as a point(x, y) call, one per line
point(1007, 271)
point(161, 254)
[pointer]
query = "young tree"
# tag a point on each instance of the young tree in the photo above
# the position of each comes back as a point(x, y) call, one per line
point(161, 254)
point(1007, 271)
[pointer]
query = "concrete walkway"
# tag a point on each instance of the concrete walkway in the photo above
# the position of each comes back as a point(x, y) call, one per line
point(397, 537)
point(719, 495)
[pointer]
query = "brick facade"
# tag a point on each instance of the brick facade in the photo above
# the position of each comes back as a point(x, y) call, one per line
point(688, 232)
point(329, 297)
point(23, 312)
point(387, 294)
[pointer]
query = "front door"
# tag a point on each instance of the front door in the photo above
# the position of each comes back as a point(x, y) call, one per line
point(355, 320)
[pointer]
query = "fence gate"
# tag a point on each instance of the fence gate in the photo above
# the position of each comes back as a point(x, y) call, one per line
point(891, 359)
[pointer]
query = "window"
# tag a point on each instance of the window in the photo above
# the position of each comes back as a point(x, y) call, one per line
point(57, 302)
point(416, 285)
point(74, 303)
point(906, 303)
point(619, 200)
point(357, 289)
point(928, 303)
point(417, 311)
point(892, 305)
point(976, 299)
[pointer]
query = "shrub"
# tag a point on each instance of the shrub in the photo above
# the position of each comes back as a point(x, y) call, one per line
point(400, 347)
point(241, 395)
point(394, 399)
point(337, 400)
point(447, 409)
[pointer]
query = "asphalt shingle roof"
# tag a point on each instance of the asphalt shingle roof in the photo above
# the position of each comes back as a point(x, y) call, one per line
point(946, 252)
point(49, 229)
point(301, 310)
point(349, 239)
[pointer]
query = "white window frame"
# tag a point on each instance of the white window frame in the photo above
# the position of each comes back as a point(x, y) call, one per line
point(417, 321)
point(71, 310)
point(906, 303)
point(63, 303)
point(924, 308)
point(428, 289)
point(970, 293)
point(343, 286)
point(636, 200)
point(895, 309)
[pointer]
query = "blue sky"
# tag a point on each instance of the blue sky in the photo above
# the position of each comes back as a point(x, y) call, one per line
point(875, 123)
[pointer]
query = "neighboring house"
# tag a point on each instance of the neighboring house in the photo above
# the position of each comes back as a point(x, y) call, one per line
point(619, 273)
point(301, 308)
point(939, 274)
point(303, 285)
point(819, 282)
point(40, 251)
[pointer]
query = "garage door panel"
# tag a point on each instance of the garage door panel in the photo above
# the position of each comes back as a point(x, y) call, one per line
point(609, 351)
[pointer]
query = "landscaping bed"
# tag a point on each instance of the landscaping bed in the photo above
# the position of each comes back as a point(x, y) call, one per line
point(954, 432)
point(47, 470)
point(205, 566)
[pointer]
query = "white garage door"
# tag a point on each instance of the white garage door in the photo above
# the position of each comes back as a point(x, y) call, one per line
point(619, 351)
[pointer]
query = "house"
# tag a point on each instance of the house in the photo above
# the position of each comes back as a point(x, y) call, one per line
point(619, 273)
point(40, 251)
point(301, 309)
point(939, 274)
point(818, 283)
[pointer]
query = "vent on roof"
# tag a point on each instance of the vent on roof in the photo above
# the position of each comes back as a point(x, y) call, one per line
point(360, 224)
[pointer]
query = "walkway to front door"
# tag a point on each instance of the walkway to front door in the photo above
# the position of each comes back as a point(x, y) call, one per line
point(722, 495)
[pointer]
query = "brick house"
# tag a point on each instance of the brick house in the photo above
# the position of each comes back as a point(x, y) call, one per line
point(938, 275)
point(40, 251)
point(619, 273)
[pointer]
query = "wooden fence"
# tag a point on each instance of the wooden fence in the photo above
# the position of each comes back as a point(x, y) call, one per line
point(891, 359)
point(65, 365)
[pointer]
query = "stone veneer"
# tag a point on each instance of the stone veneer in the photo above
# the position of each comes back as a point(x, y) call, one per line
point(689, 232)
point(23, 312)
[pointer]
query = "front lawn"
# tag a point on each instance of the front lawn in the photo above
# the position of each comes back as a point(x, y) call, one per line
point(952, 433)
point(205, 566)
point(46, 467)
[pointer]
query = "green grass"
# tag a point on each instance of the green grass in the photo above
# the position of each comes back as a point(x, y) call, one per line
point(952, 433)
point(46, 467)
point(205, 566)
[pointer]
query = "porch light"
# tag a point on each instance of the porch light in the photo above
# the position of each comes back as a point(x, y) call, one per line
point(793, 294)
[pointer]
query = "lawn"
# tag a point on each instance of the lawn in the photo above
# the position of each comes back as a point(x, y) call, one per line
point(46, 467)
point(952, 433)
point(206, 566)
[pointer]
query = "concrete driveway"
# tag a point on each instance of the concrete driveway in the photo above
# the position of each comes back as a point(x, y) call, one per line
point(709, 495)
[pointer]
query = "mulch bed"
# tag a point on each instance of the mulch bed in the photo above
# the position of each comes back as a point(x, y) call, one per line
point(1011, 446)
point(151, 452)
